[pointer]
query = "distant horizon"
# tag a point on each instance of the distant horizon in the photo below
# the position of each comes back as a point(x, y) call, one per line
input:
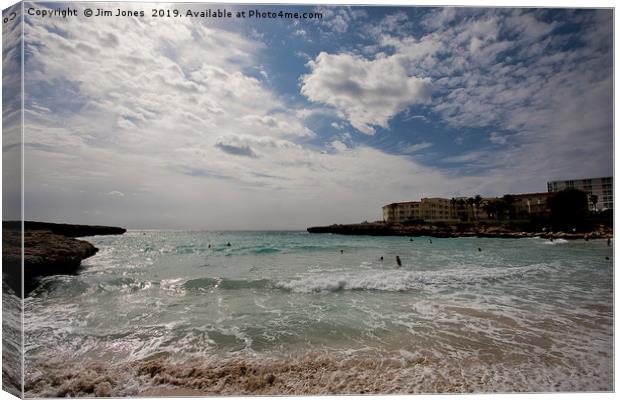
point(291, 229)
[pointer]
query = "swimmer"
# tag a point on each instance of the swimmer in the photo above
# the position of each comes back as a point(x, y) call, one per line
point(228, 244)
point(398, 261)
point(341, 251)
point(381, 258)
point(479, 249)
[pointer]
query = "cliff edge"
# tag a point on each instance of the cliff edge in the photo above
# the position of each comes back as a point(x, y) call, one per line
point(49, 249)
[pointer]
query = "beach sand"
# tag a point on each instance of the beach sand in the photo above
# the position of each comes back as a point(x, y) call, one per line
point(316, 374)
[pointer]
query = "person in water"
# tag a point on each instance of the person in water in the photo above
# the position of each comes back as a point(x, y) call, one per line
point(341, 251)
point(400, 264)
point(228, 244)
point(381, 258)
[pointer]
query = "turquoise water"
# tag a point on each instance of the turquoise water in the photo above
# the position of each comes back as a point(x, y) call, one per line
point(519, 315)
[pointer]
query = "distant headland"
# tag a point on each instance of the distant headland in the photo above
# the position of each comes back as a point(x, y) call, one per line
point(440, 230)
point(567, 213)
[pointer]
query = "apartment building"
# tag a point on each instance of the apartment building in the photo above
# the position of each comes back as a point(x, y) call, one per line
point(463, 209)
point(429, 209)
point(401, 212)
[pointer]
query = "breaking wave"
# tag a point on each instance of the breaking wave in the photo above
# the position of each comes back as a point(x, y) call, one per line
point(393, 280)
point(399, 281)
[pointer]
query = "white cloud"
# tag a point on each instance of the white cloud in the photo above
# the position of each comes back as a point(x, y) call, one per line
point(339, 146)
point(497, 138)
point(503, 70)
point(337, 19)
point(116, 193)
point(367, 92)
point(412, 148)
point(172, 107)
point(194, 139)
point(466, 157)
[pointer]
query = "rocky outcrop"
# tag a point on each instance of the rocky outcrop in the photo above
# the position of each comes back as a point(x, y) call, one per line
point(447, 231)
point(382, 229)
point(49, 249)
point(69, 230)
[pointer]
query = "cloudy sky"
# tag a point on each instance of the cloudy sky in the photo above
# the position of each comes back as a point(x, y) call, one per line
point(281, 124)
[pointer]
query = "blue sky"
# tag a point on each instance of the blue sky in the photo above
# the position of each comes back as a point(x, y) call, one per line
point(280, 124)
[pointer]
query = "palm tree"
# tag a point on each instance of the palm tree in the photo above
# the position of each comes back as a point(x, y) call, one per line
point(461, 206)
point(470, 203)
point(593, 201)
point(477, 202)
point(490, 209)
point(453, 202)
point(509, 201)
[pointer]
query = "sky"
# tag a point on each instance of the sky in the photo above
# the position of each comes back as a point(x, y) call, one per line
point(193, 123)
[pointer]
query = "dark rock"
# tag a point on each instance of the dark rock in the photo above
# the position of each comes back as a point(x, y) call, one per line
point(69, 230)
point(447, 231)
point(47, 252)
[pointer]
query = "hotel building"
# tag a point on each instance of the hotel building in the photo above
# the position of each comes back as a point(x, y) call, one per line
point(429, 209)
point(460, 209)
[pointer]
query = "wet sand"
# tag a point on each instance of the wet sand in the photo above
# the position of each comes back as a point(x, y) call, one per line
point(316, 374)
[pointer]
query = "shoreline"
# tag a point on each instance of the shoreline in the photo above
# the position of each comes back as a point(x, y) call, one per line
point(314, 373)
point(448, 231)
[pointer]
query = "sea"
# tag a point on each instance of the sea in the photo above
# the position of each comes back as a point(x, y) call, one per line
point(159, 312)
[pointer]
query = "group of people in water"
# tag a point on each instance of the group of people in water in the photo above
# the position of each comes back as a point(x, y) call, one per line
point(227, 245)
point(400, 263)
point(398, 260)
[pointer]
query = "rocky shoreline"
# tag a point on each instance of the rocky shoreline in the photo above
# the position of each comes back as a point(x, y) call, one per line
point(49, 249)
point(448, 231)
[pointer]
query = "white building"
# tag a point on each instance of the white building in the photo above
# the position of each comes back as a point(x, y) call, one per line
point(599, 189)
